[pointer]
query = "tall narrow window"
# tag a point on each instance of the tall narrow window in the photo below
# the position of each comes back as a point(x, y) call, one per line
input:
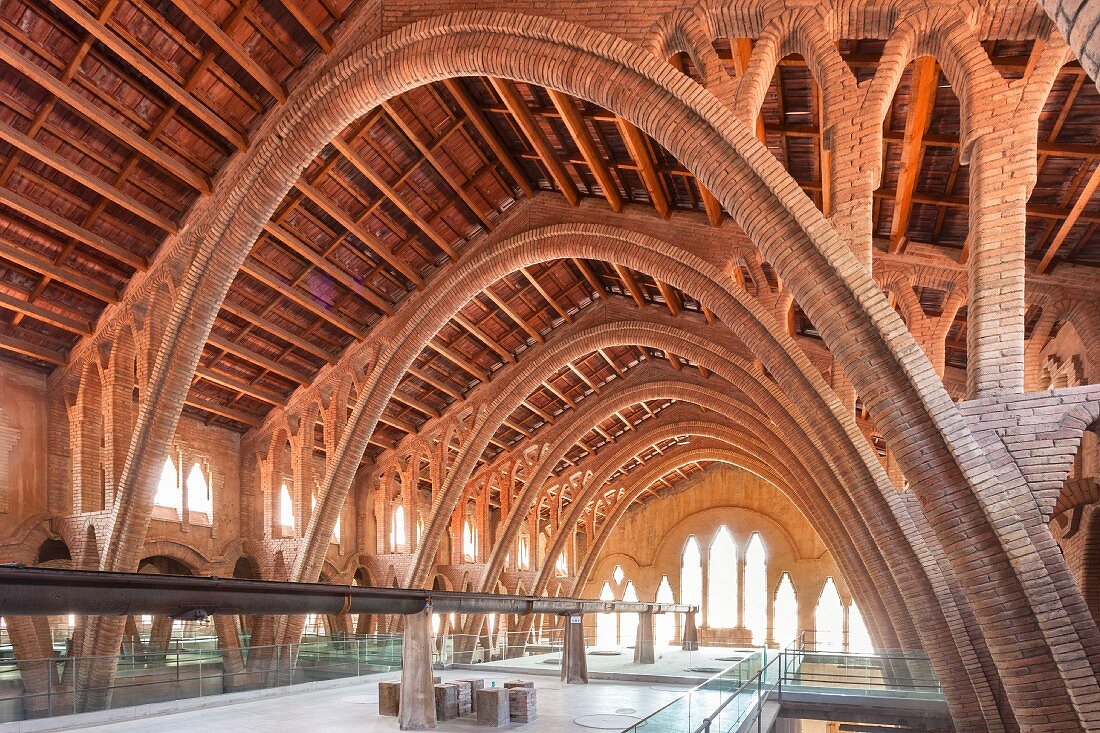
point(859, 638)
point(829, 619)
point(606, 623)
point(691, 575)
point(523, 553)
point(469, 542)
point(336, 530)
point(199, 498)
point(664, 623)
point(722, 577)
point(419, 529)
point(628, 622)
point(168, 489)
point(397, 529)
point(756, 590)
point(785, 613)
point(286, 508)
point(562, 565)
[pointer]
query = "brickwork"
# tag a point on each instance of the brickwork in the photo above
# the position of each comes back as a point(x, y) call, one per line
point(964, 563)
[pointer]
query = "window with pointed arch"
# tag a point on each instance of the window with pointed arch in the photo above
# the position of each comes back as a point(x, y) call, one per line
point(756, 590)
point(628, 622)
point(664, 624)
point(469, 541)
point(397, 528)
point(169, 494)
point(691, 575)
point(286, 509)
point(562, 565)
point(722, 577)
point(200, 498)
point(829, 619)
point(523, 552)
point(785, 612)
point(859, 637)
point(606, 623)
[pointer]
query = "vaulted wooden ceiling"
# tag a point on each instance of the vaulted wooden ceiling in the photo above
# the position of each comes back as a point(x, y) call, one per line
point(116, 116)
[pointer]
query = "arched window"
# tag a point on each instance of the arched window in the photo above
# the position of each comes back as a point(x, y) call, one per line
point(168, 489)
point(829, 619)
point(397, 529)
point(664, 623)
point(628, 622)
point(756, 590)
point(469, 542)
point(785, 613)
point(722, 576)
point(199, 498)
point(859, 638)
point(691, 575)
point(286, 508)
point(562, 565)
point(606, 623)
point(523, 553)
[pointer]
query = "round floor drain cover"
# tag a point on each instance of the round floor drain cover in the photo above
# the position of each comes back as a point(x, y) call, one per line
point(605, 653)
point(607, 721)
point(708, 670)
point(728, 659)
point(626, 711)
point(552, 660)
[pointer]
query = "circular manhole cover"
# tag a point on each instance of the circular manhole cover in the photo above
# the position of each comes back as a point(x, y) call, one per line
point(605, 653)
point(553, 660)
point(607, 721)
point(626, 711)
point(728, 659)
point(707, 670)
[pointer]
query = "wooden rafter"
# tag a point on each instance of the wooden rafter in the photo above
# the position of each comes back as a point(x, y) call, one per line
point(632, 284)
point(317, 307)
point(76, 280)
point(574, 122)
point(1074, 215)
point(232, 413)
point(485, 129)
point(79, 326)
point(278, 331)
point(512, 314)
point(318, 35)
point(638, 146)
point(243, 352)
point(477, 332)
point(527, 124)
point(922, 98)
point(230, 382)
point(26, 348)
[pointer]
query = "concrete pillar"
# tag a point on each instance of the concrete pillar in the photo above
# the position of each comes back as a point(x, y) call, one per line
point(417, 710)
point(574, 664)
point(643, 644)
point(691, 634)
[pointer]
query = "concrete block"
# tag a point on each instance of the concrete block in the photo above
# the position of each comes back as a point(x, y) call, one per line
point(446, 702)
point(389, 698)
point(493, 707)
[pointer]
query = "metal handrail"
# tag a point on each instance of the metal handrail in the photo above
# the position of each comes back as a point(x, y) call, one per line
point(757, 680)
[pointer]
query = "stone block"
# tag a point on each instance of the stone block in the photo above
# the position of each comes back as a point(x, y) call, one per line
point(493, 707)
point(446, 702)
point(475, 685)
point(389, 698)
point(465, 696)
point(521, 704)
point(518, 683)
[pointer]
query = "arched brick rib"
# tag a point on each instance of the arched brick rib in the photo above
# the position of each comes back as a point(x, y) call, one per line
point(1022, 604)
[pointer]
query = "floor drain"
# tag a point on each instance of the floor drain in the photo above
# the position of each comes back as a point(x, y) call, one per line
point(607, 721)
point(626, 711)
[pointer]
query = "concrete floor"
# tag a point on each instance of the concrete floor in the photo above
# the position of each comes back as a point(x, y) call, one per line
point(600, 705)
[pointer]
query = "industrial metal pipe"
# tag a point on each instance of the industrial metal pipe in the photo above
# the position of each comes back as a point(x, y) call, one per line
point(49, 592)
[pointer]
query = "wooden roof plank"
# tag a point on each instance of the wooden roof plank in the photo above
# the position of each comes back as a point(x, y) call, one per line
point(922, 98)
point(638, 147)
point(259, 360)
point(318, 35)
point(574, 122)
point(26, 348)
point(1074, 215)
point(485, 128)
point(277, 330)
point(317, 307)
point(79, 326)
point(76, 280)
point(239, 385)
point(201, 403)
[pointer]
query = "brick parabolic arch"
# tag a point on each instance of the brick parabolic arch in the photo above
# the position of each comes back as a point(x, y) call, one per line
point(976, 499)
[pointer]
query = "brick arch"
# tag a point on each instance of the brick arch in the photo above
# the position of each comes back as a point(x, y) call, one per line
point(951, 475)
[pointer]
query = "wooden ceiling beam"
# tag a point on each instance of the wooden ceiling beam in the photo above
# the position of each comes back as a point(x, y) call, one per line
point(591, 277)
point(922, 98)
point(527, 124)
point(512, 314)
point(355, 229)
point(201, 403)
point(390, 193)
point(330, 268)
point(485, 128)
point(632, 284)
point(79, 326)
point(526, 272)
point(77, 280)
point(1070, 221)
point(638, 147)
point(83, 107)
point(436, 164)
point(230, 382)
point(260, 272)
point(26, 348)
point(484, 338)
point(511, 424)
point(458, 360)
point(610, 362)
point(547, 417)
point(559, 394)
point(276, 330)
point(583, 377)
point(437, 384)
point(396, 422)
point(70, 229)
point(319, 36)
point(247, 354)
point(399, 396)
point(142, 63)
point(671, 297)
point(63, 165)
point(574, 122)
